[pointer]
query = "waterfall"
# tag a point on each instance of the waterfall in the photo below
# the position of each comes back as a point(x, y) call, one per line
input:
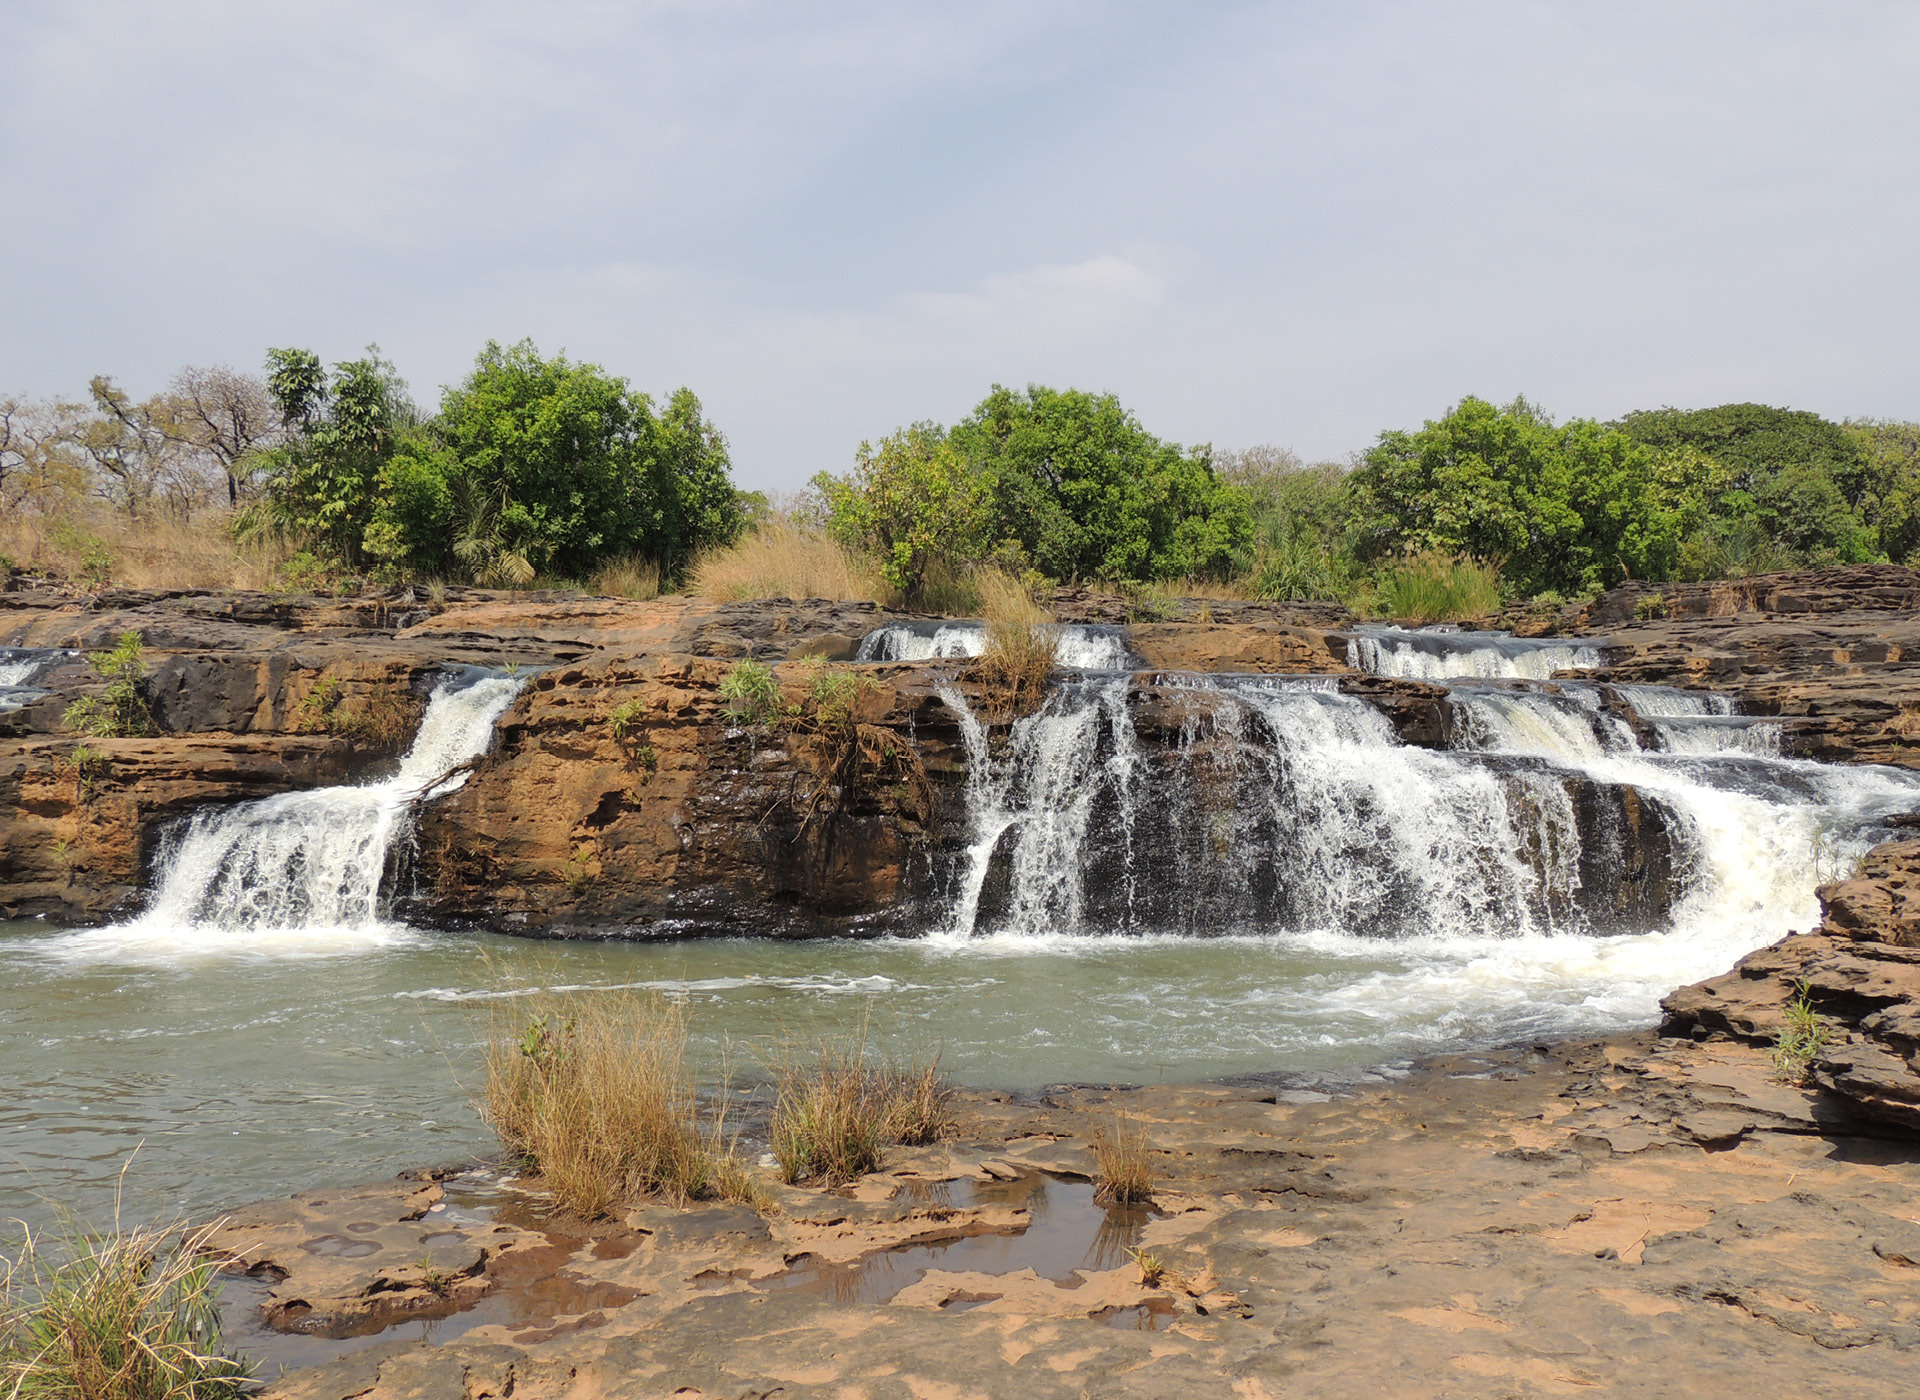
point(18, 668)
point(307, 868)
point(1433, 654)
point(1082, 646)
point(1280, 805)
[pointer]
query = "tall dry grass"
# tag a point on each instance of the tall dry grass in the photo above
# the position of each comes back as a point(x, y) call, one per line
point(1013, 670)
point(840, 1108)
point(128, 1315)
point(1004, 598)
point(93, 547)
point(1122, 1164)
point(627, 576)
point(593, 1094)
point(783, 558)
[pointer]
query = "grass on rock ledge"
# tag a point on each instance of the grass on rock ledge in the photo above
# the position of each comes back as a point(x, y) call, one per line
point(842, 1107)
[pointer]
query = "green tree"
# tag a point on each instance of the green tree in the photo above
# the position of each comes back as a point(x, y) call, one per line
point(1807, 484)
point(1086, 492)
point(915, 501)
point(342, 429)
point(1570, 508)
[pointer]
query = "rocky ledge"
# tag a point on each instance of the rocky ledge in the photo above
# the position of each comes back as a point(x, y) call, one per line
point(624, 796)
point(1640, 1216)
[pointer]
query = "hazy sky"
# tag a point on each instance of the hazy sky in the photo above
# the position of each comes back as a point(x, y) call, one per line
point(1290, 223)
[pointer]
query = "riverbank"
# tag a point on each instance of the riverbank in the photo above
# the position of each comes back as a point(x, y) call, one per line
point(1645, 1214)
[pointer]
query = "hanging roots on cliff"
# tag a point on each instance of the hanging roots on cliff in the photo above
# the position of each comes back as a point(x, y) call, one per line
point(851, 755)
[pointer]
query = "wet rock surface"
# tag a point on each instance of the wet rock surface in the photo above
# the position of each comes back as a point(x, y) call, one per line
point(1641, 1216)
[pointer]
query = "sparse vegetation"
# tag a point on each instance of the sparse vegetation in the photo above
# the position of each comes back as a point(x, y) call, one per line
point(1014, 668)
point(1152, 1268)
point(783, 557)
point(1122, 1164)
point(120, 1316)
point(1801, 1040)
point(88, 766)
point(1649, 606)
point(383, 718)
point(842, 1107)
point(593, 1096)
point(120, 711)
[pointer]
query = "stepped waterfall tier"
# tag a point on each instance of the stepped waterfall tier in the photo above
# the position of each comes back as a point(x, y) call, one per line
point(306, 870)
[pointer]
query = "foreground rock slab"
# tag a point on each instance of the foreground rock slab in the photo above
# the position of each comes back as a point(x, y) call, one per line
point(1640, 1216)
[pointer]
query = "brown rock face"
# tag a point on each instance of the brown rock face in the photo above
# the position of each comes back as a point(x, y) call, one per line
point(1860, 970)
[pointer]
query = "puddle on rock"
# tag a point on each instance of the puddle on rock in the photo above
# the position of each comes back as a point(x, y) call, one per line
point(532, 1289)
point(1066, 1230)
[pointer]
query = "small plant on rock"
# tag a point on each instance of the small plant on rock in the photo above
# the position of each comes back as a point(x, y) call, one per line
point(120, 710)
point(89, 767)
point(1801, 1040)
point(624, 722)
point(752, 694)
point(1152, 1268)
point(1650, 606)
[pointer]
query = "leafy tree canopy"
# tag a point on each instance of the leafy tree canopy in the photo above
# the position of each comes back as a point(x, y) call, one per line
point(532, 465)
point(1571, 507)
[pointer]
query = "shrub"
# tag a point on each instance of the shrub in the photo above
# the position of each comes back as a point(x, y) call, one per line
point(1436, 587)
point(1014, 669)
point(122, 1317)
point(1649, 606)
point(120, 711)
point(1122, 1168)
point(592, 1094)
point(783, 558)
point(839, 1111)
point(752, 694)
point(1802, 1039)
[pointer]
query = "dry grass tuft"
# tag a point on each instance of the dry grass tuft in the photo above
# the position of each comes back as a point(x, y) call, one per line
point(1122, 1165)
point(839, 1110)
point(93, 547)
point(1004, 598)
point(122, 1317)
point(781, 558)
point(628, 576)
point(1013, 670)
point(593, 1093)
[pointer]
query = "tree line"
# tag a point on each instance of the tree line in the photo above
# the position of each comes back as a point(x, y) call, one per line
point(543, 467)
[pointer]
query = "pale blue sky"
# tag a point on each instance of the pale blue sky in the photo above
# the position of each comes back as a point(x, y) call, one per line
point(1290, 223)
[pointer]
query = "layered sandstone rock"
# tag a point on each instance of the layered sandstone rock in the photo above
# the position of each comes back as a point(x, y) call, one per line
point(1860, 970)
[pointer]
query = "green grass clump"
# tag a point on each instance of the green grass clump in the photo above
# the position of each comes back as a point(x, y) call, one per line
point(122, 1316)
point(751, 692)
point(1437, 587)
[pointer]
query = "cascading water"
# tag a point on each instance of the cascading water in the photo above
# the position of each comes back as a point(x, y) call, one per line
point(1543, 841)
point(19, 667)
point(1433, 654)
point(304, 870)
point(1082, 647)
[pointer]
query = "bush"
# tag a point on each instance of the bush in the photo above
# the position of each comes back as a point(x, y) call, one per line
point(120, 711)
point(122, 1317)
point(1436, 587)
